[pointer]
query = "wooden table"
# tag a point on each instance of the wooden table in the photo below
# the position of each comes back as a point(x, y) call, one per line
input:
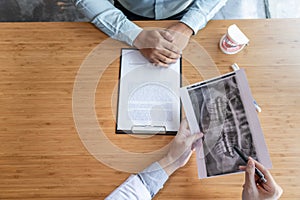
point(41, 154)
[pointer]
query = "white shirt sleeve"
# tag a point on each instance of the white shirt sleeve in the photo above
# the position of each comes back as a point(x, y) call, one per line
point(133, 189)
point(143, 186)
point(105, 16)
point(200, 12)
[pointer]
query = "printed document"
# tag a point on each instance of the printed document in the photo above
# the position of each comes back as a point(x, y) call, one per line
point(149, 99)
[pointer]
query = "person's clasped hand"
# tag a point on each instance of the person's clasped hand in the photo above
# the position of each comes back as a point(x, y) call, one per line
point(163, 47)
point(255, 190)
point(181, 34)
point(158, 47)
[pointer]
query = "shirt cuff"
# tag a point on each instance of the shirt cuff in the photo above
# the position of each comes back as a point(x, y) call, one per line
point(132, 188)
point(153, 177)
point(195, 20)
point(126, 31)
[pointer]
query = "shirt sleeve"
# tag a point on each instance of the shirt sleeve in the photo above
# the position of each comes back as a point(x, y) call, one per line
point(200, 12)
point(143, 186)
point(105, 16)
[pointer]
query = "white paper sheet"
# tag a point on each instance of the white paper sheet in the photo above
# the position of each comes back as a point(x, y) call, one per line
point(148, 95)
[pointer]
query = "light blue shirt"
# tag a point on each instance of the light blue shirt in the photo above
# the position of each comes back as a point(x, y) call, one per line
point(142, 186)
point(114, 23)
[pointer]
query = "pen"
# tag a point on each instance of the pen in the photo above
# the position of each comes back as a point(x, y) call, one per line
point(257, 107)
point(235, 67)
point(245, 158)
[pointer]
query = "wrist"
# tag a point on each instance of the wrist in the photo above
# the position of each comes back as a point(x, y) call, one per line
point(186, 29)
point(137, 41)
point(182, 28)
point(168, 165)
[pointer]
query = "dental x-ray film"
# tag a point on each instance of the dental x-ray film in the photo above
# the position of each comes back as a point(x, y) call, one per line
point(222, 109)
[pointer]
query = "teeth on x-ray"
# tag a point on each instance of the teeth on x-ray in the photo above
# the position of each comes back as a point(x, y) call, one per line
point(222, 118)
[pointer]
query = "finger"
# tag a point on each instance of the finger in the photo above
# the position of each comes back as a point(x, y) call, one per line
point(183, 128)
point(243, 168)
point(164, 59)
point(157, 56)
point(167, 35)
point(170, 46)
point(250, 174)
point(184, 124)
point(196, 144)
point(158, 63)
point(193, 138)
point(262, 168)
point(262, 188)
point(189, 155)
point(170, 54)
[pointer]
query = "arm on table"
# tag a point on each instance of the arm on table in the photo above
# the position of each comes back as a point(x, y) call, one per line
point(194, 20)
point(200, 12)
point(105, 16)
point(147, 183)
point(155, 45)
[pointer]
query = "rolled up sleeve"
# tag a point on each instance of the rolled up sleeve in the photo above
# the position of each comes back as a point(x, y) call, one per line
point(200, 12)
point(132, 189)
point(143, 186)
point(109, 19)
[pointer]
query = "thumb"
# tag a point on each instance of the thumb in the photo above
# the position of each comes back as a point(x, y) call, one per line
point(250, 174)
point(193, 138)
point(184, 125)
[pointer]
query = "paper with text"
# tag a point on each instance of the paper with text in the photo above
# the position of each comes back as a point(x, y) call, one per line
point(148, 95)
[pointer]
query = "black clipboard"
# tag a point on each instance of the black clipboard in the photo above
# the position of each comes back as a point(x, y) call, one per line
point(132, 86)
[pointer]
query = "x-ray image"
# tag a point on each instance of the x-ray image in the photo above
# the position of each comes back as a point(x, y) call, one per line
point(221, 117)
point(220, 113)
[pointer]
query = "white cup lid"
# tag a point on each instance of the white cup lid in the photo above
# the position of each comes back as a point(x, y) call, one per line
point(236, 35)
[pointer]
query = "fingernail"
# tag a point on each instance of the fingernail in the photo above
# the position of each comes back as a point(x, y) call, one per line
point(241, 167)
point(250, 163)
point(200, 134)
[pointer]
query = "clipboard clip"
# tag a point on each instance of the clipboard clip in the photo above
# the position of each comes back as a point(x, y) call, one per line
point(148, 129)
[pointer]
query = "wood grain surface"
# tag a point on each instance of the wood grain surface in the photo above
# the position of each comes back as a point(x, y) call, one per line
point(42, 155)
